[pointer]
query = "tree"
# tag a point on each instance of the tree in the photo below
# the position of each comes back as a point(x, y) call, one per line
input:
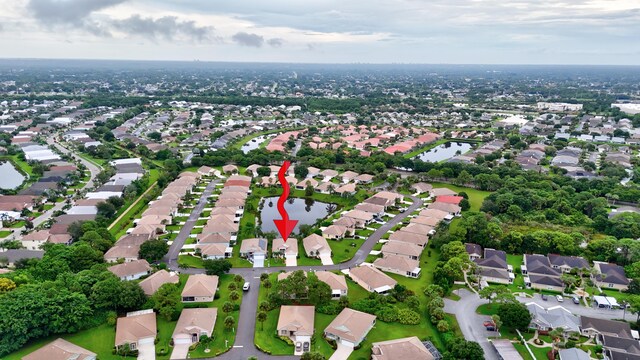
point(461, 349)
point(514, 315)
point(227, 307)
point(234, 296)
point(443, 326)
point(497, 293)
point(496, 320)
point(106, 209)
point(301, 172)
point(6, 285)
point(153, 250)
point(309, 190)
point(229, 322)
point(262, 317)
point(217, 266)
point(232, 286)
point(264, 171)
point(264, 306)
point(34, 311)
point(266, 283)
point(238, 279)
point(154, 135)
point(166, 300)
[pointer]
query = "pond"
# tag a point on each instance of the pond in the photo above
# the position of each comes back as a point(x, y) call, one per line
point(255, 143)
point(10, 178)
point(306, 211)
point(445, 151)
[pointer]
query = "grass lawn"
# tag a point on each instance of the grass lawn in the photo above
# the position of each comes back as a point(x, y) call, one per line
point(16, 224)
point(487, 309)
point(4, 234)
point(99, 339)
point(343, 250)
point(518, 283)
point(476, 197)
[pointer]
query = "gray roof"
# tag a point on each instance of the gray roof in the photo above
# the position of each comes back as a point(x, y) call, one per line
point(573, 354)
point(574, 262)
point(619, 328)
point(545, 280)
point(19, 254)
point(554, 317)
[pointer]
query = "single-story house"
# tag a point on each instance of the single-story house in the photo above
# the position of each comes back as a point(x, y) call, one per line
point(408, 250)
point(61, 349)
point(132, 270)
point(334, 232)
point(316, 246)
point(398, 264)
point(138, 329)
point(350, 327)
point(336, 282)
point(372, 279)
point(215, 250)
point(410, 348)
point(591, 327)
point(151, 284)
point(610, 276)
point(194, 323)
point(296, 323)
point(200, 288)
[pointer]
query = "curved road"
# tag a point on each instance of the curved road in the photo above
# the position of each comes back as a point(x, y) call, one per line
point(244, 344)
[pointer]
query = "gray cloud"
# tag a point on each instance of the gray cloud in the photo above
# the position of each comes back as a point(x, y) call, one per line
point(247, 39)
point(67, 11)
point(165, 28)
point(275, 42)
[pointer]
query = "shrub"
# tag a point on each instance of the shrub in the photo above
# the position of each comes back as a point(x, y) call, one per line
point(387, 314)
point(408, 317)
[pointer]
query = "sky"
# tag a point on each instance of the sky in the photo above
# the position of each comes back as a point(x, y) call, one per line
point(327, 31)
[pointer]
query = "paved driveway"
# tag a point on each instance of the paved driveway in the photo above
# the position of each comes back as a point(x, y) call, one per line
point(180, 351)
point(147, 351)
point(342, 352)
point(326, 259)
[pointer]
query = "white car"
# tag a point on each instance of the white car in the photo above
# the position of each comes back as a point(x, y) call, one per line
point(559, 298)
point(246, 286)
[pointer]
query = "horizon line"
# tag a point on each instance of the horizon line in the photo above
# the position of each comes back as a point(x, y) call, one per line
point(311, 63)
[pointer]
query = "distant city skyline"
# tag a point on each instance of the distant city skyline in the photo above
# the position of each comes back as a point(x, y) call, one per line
point(598, 32)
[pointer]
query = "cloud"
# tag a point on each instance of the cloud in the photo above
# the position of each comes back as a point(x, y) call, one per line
point(275, 42)
point(246, 39)
point(165, 28)
point(67, 11)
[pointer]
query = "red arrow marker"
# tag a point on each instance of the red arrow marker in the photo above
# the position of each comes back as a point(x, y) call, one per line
point(285, 226)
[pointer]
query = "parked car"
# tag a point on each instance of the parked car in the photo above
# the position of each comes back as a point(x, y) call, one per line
point(488, 323)
point(246, 286)
point(575, 300)
point(544, 297)
point(491, 328)
point(559, 298)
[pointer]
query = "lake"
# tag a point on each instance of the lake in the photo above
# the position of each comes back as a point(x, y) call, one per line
point(255, 143)
point(306, 211)
point(10, 178)
point(444, 151)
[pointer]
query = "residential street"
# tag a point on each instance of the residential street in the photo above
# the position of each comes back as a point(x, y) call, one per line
point(174, 250)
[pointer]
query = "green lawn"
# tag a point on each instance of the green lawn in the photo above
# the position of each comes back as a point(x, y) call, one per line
point(343, 250)
point(99, 339)
point(4, 234)
point(476, 197)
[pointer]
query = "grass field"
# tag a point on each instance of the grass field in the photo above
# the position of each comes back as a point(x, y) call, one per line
point(476, 197)
point(99, 339)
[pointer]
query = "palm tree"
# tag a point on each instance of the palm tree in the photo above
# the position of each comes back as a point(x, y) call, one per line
point(229, 322)
point(262, 317)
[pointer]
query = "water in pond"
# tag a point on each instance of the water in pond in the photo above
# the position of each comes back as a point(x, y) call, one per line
point(445, 151)
point(306, 211)
point(255, 143)
point(10, 178)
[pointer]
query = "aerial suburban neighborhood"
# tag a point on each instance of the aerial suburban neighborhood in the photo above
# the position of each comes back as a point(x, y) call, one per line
point(358, 205)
